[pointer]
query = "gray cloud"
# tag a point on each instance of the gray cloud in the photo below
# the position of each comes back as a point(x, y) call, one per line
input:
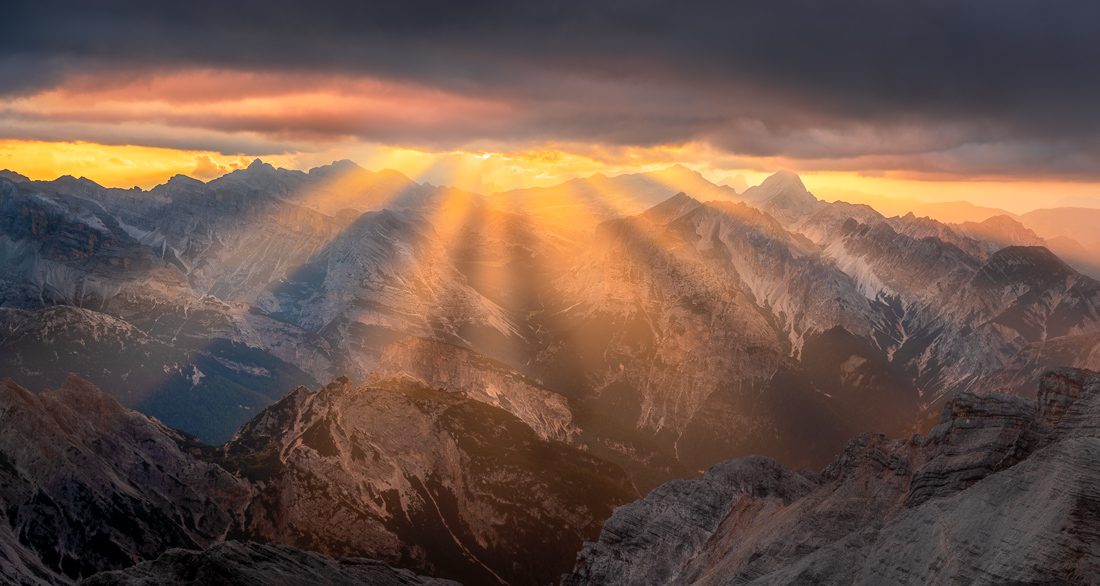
point(1003, 86)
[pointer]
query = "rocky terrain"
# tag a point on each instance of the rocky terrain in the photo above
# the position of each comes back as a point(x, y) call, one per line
point(419, 478)
point(252, 564)
point(423, 478)
point(456, 369)
point(88, 485)
point(1002, 490)
point(657, 320)
point(513, 378)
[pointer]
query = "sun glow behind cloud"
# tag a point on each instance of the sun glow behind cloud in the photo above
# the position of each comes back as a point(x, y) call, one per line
point(126, 128)
point(487, 171)
point(115, 165)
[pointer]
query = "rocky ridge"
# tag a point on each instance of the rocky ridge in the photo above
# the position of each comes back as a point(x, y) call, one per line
point(1002, 490)
point(422, 478)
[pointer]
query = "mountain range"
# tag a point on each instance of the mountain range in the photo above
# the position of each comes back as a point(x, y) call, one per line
point(347, 373)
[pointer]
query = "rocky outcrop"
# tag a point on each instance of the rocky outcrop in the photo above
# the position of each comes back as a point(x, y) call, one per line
point(688, 512)
point(712, 327)
point(418, 477)
point(87, 485)
point(421, 478)
point(1001, 491)
point(451, 368)
point(253, 564)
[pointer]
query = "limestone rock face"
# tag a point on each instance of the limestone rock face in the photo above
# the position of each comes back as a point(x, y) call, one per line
point(1001, 491)
point(254, 564)
point(422, 478)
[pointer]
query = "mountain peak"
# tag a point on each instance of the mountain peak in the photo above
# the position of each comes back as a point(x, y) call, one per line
point(182, 180)
point(259, 165)
point(783, 195)
point(13, 176)
point(785, 178)
point(335, 167)
point(672, 208)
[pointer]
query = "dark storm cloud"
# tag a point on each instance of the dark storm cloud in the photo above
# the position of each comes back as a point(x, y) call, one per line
point(797, 78)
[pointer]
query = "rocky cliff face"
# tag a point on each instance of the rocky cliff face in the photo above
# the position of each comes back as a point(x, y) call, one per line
point(1002, 490)
point(708, 327)
point(254, 564)
point(417, 477)
point(386, 276)
point(422, 478)
point(452, 368)
point(87, 485)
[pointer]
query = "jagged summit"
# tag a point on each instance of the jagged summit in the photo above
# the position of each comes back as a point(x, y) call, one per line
point(784, 196)
point(257, 164)
point(77, 182)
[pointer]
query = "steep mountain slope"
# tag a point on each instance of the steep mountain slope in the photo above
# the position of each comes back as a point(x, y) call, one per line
point(959, 318)
point(699, 328)
point(452, 368)
point(664, 340)
point(87, 485)
point(170, 279)
point(421, 478)
point(1002, 490)
point(387, 275)
point(960, 304)
point(550, 414)
point(418, 477)
point(207, 385)
point(783, 196)
point(76, 283)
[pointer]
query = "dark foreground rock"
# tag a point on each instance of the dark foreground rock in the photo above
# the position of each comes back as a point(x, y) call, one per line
point(251, 564)
point(1003, 490)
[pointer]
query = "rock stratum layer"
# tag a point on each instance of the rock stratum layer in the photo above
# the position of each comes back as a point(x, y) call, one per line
point(1003, 490)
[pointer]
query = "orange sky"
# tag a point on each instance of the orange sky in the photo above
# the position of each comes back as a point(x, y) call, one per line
point(122, 130)
point(486, 171)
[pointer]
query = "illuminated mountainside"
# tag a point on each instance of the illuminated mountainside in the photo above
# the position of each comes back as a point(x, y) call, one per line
point(585, 355)
point(670, 331)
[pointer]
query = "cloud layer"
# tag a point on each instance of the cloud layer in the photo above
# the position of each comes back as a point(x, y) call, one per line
point(990, 87)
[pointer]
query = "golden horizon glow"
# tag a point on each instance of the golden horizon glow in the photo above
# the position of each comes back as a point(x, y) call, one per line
point(492, 170)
